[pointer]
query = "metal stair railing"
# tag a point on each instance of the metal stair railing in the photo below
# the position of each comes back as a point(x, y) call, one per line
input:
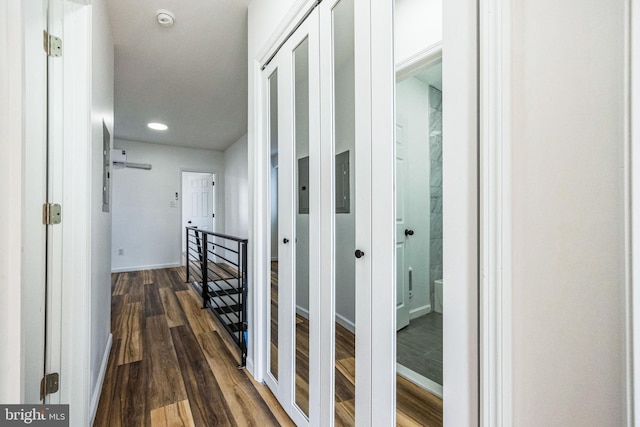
point(216, 264)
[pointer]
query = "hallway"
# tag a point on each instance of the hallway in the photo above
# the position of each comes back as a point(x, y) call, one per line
point(172, 364)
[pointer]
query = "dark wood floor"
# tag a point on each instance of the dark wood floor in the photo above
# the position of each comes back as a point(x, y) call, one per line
point(171, 363)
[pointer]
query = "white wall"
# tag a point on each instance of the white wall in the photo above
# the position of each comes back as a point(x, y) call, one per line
point(145, 226)
point(568, 213)
point(102, 109)
point(236, 186)
point(412, 109)
point(418, 25)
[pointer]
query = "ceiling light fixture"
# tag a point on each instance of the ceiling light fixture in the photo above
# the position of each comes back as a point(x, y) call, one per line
point(157, 126)
point(165, 18)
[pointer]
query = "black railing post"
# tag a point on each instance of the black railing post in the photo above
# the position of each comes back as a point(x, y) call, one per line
point(187, 253)
point(205, 279)
point(242, 251)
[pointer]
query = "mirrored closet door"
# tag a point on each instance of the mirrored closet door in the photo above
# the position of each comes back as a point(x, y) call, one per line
point(319, 333)
point(291, 88)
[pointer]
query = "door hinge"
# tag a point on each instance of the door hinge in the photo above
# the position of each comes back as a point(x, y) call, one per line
point(49, 384)
point(51, 214)
point(213, 215)
point(52, 45)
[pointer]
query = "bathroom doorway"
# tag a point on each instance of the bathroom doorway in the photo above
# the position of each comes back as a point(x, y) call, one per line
point(419, 236)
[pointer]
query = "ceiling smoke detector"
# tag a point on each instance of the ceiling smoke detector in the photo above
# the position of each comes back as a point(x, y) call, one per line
point(165, 18)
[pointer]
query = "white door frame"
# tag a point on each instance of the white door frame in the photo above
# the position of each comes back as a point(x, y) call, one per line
point(495, 213)
point(71, 340)
point(632, 193)
point(460, 221)
point(14, 60)
point(375, 145)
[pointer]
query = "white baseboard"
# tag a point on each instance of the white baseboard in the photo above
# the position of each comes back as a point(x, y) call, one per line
point(419, 380)
point(420, 311)
point(302, 312)
point(249, 367)
point(97, 390)
point(146, 267)
point(348, 324)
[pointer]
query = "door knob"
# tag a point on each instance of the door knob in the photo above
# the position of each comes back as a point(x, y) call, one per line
point(408, 232)
point(285, 240)
point(188, 222)
point(359, 253)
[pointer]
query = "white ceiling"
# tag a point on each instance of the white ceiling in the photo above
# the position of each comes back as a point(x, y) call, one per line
point(192, 76)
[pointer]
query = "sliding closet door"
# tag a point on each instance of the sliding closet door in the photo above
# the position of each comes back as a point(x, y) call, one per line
point(291, 102)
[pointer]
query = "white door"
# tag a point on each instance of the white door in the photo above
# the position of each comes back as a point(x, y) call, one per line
point(68, 316)
point(291, 126)
point(402, 231)
point(327, 240)
point(199, 200)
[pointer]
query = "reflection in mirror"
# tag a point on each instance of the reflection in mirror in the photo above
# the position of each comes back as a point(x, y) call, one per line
point(301, 134)
point(273, 203)
point(419, 244)
point(344, 141)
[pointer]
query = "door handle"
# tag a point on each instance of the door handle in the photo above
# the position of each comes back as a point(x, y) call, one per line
point(285, 240)
point(359, 253)
point(408, 232)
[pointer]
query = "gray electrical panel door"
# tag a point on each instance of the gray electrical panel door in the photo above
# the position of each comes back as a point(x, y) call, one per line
point(343, 196)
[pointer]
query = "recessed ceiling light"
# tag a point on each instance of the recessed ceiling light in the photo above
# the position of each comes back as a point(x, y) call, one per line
point(157, 126)
point(165, 18)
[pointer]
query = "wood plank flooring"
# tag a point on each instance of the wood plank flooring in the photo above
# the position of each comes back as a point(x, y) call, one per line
point(172, 364)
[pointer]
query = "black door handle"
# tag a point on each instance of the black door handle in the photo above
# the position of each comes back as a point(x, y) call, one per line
point(359, 253)
point(285, 240)
point(408, 232)
point(188, 222)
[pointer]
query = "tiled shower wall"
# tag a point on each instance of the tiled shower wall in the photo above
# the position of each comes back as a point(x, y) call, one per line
point(435, 144)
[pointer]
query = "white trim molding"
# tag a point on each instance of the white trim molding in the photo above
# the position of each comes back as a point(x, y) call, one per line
point(495, 214)
point(146, 267)
point(97, 389)
point(632, 196)
point(460, 224)
point(12, 133)
point(426, 57)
